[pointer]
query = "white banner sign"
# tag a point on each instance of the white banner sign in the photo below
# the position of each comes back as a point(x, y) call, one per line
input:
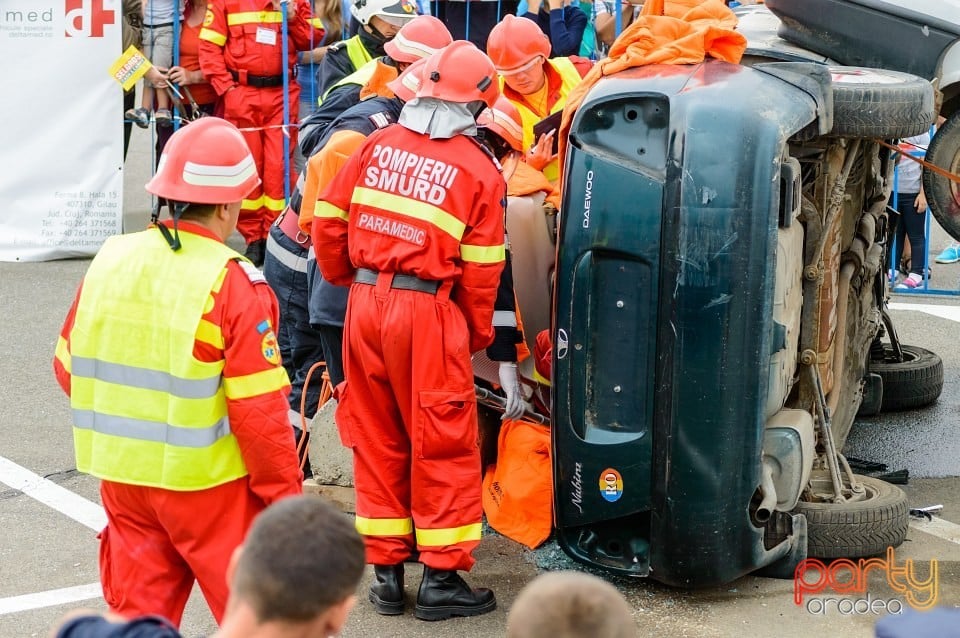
point(61, 151)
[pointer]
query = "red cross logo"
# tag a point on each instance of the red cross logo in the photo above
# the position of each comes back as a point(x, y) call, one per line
point(87, 18)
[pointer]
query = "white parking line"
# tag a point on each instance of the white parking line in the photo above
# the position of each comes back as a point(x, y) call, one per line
point(52, 495)
point(944, 312)
point(940, 528)
point(50, 598)
point(67, 503)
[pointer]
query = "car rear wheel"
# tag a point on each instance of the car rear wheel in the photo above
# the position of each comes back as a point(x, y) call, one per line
point(880, 103)
point(942, 193)
point(858, 528)
point(912, 383)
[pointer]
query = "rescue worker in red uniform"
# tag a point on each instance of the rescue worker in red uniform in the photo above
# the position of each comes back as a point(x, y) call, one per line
point(241, 53)
point(415, 221)
point(179, 400)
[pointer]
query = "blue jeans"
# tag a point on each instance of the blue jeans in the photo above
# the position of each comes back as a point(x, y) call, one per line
point(285, 268)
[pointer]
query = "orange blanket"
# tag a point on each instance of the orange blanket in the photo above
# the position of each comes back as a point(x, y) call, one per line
point(665, 32)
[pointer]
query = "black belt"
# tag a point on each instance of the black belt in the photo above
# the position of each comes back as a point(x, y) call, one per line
point(401, 281)
point(257, 81)
point(158, 26)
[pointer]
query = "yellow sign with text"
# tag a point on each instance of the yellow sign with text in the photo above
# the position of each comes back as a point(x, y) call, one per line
point(130, 67)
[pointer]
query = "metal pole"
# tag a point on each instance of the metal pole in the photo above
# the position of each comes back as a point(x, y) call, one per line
point(286, 101)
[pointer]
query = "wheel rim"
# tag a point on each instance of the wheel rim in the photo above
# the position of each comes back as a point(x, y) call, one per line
point(822, 489)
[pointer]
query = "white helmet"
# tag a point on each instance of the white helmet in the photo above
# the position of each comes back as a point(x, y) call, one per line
point(396, 12)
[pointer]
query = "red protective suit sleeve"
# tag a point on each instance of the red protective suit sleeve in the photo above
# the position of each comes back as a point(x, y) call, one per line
point(61, 357)
point(247, 313)
point(213, 37)
point(300, 28)
point(476, 292)
point(329, 231)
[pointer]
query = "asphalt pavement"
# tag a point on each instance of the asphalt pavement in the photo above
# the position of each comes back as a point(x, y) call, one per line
point(49, 513)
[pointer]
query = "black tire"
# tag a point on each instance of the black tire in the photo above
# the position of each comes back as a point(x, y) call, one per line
point(912, 383)
point(857, 529)
point(943, 195)
point(880, 103)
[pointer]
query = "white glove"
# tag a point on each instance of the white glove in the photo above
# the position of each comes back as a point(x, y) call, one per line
point(510, 383)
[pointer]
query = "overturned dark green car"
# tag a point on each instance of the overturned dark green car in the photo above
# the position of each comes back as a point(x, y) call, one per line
point(720, 317)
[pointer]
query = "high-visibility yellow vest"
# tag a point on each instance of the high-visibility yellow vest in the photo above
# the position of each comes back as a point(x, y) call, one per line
point(359, 77)
point(357, 53)
point(570, 78)
point(145, 411)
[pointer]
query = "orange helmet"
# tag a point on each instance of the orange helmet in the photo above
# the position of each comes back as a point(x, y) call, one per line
point(405, 85)
point(205, 162)
point(514, 42)
point(460, 73)
point(420, 38)
point(503, 118)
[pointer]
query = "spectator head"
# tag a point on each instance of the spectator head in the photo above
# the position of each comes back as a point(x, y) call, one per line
point(417, 39)
point(518, 49)
point(298, 568)
point(570, 605)
point(383, 18)
point(461, 74)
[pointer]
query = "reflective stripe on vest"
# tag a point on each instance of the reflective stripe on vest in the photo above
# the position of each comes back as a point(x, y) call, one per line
point(359, 77)
point(146, 412)
point(570, 78)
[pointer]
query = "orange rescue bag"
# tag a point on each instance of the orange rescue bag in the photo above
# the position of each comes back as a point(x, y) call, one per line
point(518, 489)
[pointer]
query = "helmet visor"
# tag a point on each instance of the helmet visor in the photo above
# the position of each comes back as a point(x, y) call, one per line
point(537, 60)
point(395, 21)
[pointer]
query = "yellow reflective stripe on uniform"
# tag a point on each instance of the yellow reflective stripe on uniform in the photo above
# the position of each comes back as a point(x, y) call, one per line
point(317, 23)
point(212, 36)
point(252, 204)
point(62, 353)
point(276, 205)
point(410, 208)
point(140, 430)
point(384, 526)
point(254, 17)
point(135, 377)
point(251, 385)
point(448, 536)
point(329, 211)
point(539, 378)
point(483, 254)
point(210, 333)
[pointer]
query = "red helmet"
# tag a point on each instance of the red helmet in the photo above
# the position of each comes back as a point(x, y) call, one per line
point(460, 73)
point(503, 118)
point(205, 162)
point(420, 38)
point(405, 85)
point(514, 42)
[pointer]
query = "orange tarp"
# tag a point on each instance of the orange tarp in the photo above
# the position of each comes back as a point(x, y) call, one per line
point(665, 32)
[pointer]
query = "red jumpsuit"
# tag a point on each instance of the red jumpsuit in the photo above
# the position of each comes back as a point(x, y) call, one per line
point(241, 57)
point(157, 541)
point(434, 209)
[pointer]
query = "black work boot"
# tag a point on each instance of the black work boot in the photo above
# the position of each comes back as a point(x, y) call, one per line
point(444, 594)
point(386, 590)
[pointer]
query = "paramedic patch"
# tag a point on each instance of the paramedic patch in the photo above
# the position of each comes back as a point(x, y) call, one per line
point(393, 228)
point(269, 348)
